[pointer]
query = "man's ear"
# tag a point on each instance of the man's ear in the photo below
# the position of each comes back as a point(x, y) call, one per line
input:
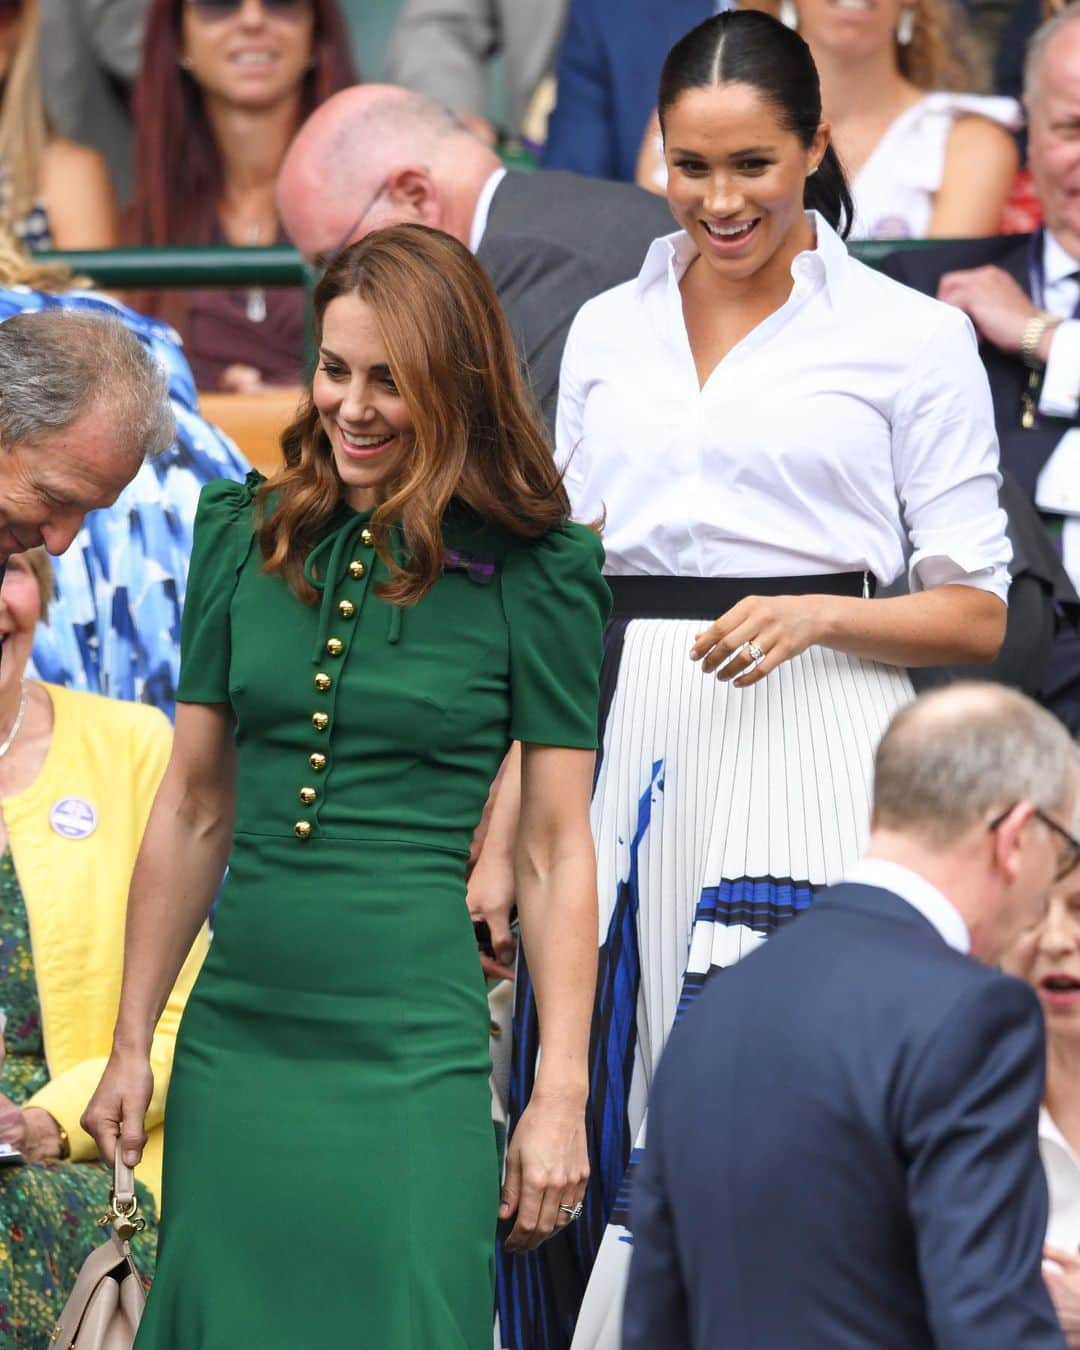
point(416, 196)
point(1008, 840)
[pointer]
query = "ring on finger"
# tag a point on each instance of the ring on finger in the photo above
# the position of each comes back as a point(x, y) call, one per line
point(731, 656)
point(574, 1211)
point(756, 654)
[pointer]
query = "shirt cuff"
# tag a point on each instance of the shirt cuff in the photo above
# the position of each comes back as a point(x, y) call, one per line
point(1060, 393)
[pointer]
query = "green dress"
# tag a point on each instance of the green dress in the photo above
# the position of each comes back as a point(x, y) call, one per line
point(330, 1169)
point(48, 1211)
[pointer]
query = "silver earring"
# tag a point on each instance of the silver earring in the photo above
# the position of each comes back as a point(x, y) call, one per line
point(789, 15)
point(905, 27)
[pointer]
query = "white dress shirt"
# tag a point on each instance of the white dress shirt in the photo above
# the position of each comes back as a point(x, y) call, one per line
point(1062, 1168)
point(1061, 383)
point(851, 430)
point(919, 893)
point(483, 209)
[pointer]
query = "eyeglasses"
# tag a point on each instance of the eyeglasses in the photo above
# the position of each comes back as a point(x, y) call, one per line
point(1070, 854)
point(324, 260)
point(214, 10)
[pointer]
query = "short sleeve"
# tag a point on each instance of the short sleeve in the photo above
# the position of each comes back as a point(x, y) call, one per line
point(222, 539)
point(945, 462)
point(557, 603)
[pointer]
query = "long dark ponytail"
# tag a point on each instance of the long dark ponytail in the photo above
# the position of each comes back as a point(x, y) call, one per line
point(746, 46)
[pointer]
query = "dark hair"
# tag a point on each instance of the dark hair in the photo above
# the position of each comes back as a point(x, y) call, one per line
point(745, 46)
point(477, 434)
point(178, 168)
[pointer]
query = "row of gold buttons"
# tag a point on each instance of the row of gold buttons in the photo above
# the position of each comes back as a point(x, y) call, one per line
point(323, 682)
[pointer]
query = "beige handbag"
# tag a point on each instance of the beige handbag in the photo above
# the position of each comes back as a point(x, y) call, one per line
point(106, 1305)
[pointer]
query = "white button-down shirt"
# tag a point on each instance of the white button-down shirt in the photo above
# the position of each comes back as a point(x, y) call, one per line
point(1062, 1168)
point(483, 209)
point(919, 893)
point(852, 429)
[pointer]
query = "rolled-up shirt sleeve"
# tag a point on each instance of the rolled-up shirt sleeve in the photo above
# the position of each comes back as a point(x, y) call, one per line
point(945, 462)
point(1060, 393)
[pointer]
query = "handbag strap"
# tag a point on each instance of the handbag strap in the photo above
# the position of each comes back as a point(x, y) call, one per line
point(123, 1212)
point(123, 1188)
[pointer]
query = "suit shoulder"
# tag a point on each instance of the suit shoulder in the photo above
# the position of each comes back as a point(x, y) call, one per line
point(923, 267)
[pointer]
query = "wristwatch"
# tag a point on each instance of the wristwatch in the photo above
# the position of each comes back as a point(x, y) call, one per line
point(65, 1142)
point(1033, 334)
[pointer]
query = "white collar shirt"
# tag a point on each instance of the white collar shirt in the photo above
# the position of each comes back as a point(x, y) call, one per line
point(851, 430)
point(1060, 392)
point(919, 893)
point(1062, 1168)
point(483, 209)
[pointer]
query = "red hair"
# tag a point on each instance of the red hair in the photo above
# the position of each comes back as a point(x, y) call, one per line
point(178, 170)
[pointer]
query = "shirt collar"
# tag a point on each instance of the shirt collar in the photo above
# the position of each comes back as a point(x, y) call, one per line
point(919, 893)
point(1058, 265)
point(671, 254)
point(483, 209)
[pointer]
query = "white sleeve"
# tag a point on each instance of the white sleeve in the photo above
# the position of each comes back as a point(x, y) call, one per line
point(945, 464)
point(1060, 395)
point(570, 415)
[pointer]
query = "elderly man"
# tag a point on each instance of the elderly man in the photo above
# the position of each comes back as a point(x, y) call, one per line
point(81, 404)
point(1023, 295)
point(842, 1143)
point(375, 155)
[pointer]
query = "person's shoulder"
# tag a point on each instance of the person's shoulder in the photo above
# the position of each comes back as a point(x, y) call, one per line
point(914, 315)
point(923, 265)
point(570, 549)
point(571, 209)
point(112, 718)
point(226, 500)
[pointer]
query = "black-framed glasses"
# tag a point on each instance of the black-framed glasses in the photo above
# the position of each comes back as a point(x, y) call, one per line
point(212, 10)
point(1070, 856)
point(324, 260)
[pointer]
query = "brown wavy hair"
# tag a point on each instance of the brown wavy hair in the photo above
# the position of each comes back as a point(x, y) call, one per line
point(477, 434)
point(942, 52)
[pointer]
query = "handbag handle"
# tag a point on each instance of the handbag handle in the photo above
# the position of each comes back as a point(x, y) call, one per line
point(123, 1187)
point(123, 1212)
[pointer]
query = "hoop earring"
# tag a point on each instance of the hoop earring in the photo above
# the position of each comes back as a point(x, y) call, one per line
point(905, 27)
point(789, 15)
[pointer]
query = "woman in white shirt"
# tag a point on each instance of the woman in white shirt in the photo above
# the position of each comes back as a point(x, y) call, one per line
point(769, 428)
point(924, 159)
point(1048, 958)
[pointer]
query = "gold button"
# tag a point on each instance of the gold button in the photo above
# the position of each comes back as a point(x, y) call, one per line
point(335, 646)
point(367, 538)
point(357, 569)
point(320, 721)
point(317, 762)
point(307, 795)
point(346, 609)
point(323, 682)
point(302, 829)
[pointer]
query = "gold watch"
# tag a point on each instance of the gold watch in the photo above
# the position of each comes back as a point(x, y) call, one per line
point(1034, 332)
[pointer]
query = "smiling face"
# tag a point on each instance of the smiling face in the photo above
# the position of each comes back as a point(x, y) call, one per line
point(248, 57)
point(48, 485)
point(850, 29)
point(21, 608)
point(736, 178)
point(361, 411)
point(1054, 136)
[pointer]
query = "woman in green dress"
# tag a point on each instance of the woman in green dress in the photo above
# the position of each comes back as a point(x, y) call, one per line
point(364, 635)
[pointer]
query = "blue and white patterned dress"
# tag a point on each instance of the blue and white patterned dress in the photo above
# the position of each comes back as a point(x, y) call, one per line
point(114, 623)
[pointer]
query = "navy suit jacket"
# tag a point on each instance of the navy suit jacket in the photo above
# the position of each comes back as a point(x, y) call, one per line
point(608, 72)
point(842, 1150)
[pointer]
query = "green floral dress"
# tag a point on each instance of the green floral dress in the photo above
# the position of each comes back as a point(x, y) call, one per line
point(48, 1211)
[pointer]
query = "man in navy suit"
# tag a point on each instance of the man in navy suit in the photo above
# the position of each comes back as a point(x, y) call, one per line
point(842, 1144)
point(607, 74)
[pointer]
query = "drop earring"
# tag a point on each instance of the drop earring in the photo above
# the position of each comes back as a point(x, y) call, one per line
point(905, 27)
point(789, 15)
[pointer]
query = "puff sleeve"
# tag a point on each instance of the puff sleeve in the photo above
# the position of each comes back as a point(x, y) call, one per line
point(557, 603)
point(222, 539)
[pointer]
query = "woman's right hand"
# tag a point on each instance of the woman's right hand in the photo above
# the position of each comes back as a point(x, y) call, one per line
point(118, 1108)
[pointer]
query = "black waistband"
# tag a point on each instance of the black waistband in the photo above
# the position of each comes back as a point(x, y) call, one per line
point(709, 597)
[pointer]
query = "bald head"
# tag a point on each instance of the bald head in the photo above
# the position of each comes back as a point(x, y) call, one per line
point(375, 155)
point(952, 757)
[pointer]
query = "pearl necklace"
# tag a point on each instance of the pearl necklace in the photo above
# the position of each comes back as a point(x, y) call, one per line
point(5, 746)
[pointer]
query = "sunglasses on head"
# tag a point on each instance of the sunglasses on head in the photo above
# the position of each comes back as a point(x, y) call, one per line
point(225, 9)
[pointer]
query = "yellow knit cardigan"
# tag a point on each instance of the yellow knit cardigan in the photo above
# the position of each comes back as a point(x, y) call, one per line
point(109, 756)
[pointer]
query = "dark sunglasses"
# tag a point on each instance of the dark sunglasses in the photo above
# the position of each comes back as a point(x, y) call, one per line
point(213, 10)
point(1070, 853)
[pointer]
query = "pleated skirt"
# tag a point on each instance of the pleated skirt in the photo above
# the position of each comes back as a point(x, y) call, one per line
point(718, 813)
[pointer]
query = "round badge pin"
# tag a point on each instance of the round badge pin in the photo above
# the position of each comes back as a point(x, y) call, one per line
point(73, 818)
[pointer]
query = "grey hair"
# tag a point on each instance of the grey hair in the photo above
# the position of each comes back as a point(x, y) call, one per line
point(958, 755)
point(56, 364)
point(1037, 45)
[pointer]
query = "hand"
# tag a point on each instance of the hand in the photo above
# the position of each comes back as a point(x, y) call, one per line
point(490, 897)
point(12, 1124)
point(118, 1108)
point(1064, 1287)
point(547, 1165)
point(994, 302)
point(781, 625)
point(241, 379)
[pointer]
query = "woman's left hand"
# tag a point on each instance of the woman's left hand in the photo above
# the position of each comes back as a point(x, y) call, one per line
point(782, 626)
point(547, 1166)
point(29, 1130)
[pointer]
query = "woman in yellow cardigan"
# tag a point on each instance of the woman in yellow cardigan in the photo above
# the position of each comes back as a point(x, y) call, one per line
point(78, 774)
